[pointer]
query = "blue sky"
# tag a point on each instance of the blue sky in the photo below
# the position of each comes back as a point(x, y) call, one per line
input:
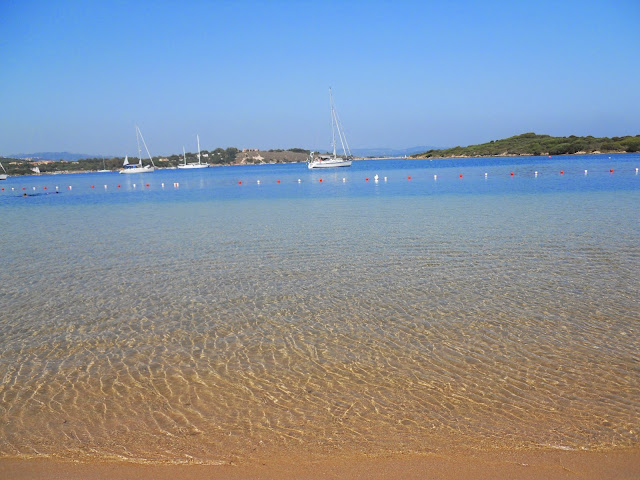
point(78, 76)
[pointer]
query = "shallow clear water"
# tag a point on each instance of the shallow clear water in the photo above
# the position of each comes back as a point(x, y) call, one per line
point(203, 322)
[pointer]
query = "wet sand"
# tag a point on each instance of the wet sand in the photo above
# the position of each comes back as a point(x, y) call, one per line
point(537, 465)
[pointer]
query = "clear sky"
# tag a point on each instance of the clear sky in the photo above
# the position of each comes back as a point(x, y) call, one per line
point(78, 76)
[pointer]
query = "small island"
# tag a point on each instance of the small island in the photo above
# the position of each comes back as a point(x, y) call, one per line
point(533, 144)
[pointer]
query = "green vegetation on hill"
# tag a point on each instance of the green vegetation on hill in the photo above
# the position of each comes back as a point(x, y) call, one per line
point(533, 144)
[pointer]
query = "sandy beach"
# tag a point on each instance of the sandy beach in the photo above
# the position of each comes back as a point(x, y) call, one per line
point(548, 465)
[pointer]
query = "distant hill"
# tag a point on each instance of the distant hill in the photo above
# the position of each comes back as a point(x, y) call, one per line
point(534, 144)
point(69, 157)
point(388, 152)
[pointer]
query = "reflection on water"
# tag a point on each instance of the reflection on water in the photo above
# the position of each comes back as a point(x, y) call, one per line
point(204, 330)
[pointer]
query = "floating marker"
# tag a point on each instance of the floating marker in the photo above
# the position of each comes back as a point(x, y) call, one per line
point(409, 177)
point(636, 170)
point(34, 188)
point(561, 172)
point(239, 182)
point(69, 187)
point(460, 175)
point(344, 179)
point(367, 179)
point(147, 184)
point(118, 185)
point(91, 186)
point(586, 171)
point(23, 188)
point(56, 187)
point(162, 185)
point(278, 181)
point(512, 174)
point(105, 187)
point(611, 170)
point(134, 185)
point(320, 180)
point(376, 178)
point(258, 182)
point(385, 178)
point(299, 181)
point(486, 174)
point(44, 188)
point(435, 177)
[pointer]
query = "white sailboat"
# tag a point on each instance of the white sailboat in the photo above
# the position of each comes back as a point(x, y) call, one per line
point(138, 167)
point(193, 165)
point(331, 161)
point(3, 176)
point(104, 168)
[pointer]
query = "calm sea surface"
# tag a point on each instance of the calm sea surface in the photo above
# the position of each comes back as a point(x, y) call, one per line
point(214, 320)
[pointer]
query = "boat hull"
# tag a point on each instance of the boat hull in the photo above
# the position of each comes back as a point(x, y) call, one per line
point(201, 165)
point(138, 170)
point(3, 176)
point(329, 164)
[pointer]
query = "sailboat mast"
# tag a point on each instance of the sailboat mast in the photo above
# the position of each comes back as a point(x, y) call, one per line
point(184, 155)
point(340, 133)
point(145, 147)
point(333, 130)
point(198, 138)
point(138, 141)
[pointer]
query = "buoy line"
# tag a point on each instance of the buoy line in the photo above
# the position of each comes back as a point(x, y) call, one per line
point(320, 180)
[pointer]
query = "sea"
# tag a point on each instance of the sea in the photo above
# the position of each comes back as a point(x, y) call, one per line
point(396, 306)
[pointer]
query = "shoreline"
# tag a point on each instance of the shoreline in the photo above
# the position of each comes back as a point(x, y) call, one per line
point(505, 155)
point(357, 159)
point(477, 465)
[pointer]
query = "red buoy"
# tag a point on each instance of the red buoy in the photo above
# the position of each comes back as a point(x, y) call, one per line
point(611, 170)
point(23, 188)
point(239, 182)
point(512, 174)
point(366, 179)
point(91, 186)
point(561, 172)
point(460, 175)
point(320, 180)
point(147, 184)
point(118, 185)
point(43, 187)
point(278, 181)
point(409, 177)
